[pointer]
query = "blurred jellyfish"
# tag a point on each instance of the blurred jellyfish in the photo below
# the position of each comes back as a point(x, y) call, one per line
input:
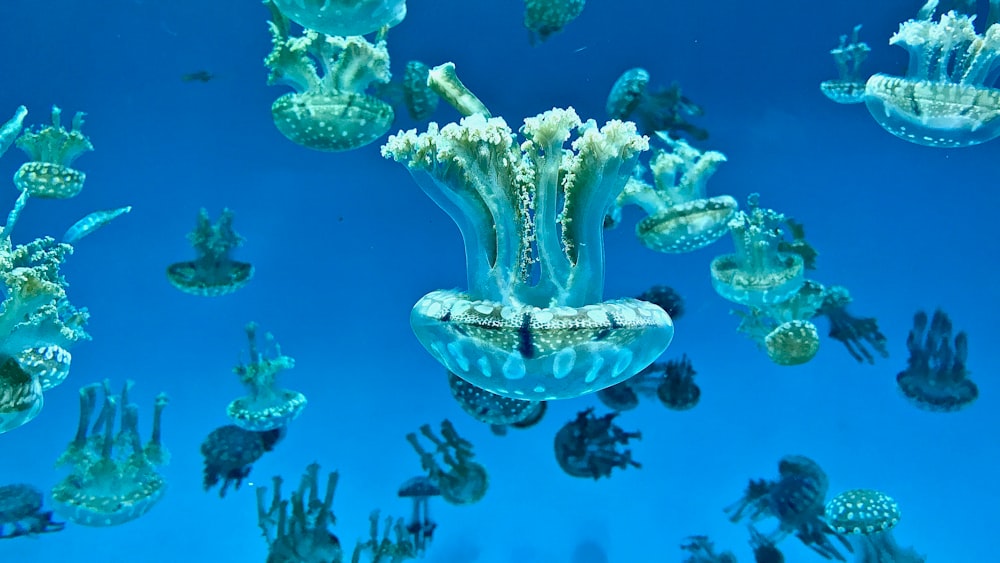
point(702, 550)
point(213, 272)
point(666, 298)
point(671, 382)
point(21, 512)
point(678, 390)
point(420, 99)
point(461, 480)
point(587, 446)
point(664, 110)
point(857, 334)
point(532, 324)
point(52, 150)
point(420, 527)
point(343, 17)
point(936, 378)
point(681, 216)
point(849, 86)
point(948, 96)
point(798, 244)
point(267, 406)
point(546, 17)
point(113, 477)
point(493, 409)
point(332, 111)
point(302, 534)
point(589, 551)
point(784, 329)
point(867, 517)
point(382, 548)
point(230, 452)
point(764, 549)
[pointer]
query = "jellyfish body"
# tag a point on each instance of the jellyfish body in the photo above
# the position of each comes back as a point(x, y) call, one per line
point(213, 272)
point(50, 364)
point(267, 406)
point(21, 396)
point(588, 446)
point(936, 377)
point(849, 55)
point(460, 480)
point(329, 111)
point(113, 477)
point(663, 110)
point(52, 150)
point(860, 335)
point(533, 337)
point(21, 512)
point(546, 17)
point(947, 97)
point(298, 529)
point(764, 549)
point(344, 17)
point(420, 526)
point(489, 407)
point(230, 453)
point(678, 391)
point(867, 517)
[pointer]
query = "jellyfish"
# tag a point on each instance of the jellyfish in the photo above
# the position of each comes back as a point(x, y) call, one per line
point(764, 549)
point(681, 217)
point(267, 407)
point(461, 481)
point(587, 446)
point(666, 298)
point(421, 100)
point(702, 550)
point(230, 452)
point(936, 378)
point(798, 244)
point(678, 390)
point(20, 396)
point(664, 110)
point(343, 17)
point(948, 96)
point(52, 150)
point(331, 112)
point(543, 18)
point(531, 325)
point(21, 512)
point(849, 86)
point(867, 517)
point(860, 335)
point(383, 549)
point(796, 499)
point(301, 534)
point(758, 273)
point(489, 407)
point(213, 272)
point(113, 477)
point(420, 527)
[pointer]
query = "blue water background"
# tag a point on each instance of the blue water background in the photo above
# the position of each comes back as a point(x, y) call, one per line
point(344, 244)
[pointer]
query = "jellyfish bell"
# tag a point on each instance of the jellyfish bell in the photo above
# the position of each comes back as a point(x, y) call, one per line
point(688, 226)
point(50, 364)
point(21, 512)
point(332, 121)
point(20, 395)
point(792, 343)
point(259, 414)
point(843, 91)
point(489, 407)
point(344, 17)
point(194, 277)
point(762, 287)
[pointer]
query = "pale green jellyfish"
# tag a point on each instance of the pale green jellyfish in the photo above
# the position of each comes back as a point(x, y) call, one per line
point(545, 17)
point(266, 406)
point(785, 330)
point(52, 150)
point(343, 17)
point(849, 86)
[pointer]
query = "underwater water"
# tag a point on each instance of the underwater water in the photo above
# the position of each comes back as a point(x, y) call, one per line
point(343, 244)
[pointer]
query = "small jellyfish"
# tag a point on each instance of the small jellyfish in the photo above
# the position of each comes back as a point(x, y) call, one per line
point(764, 550)
point(461, 481)
point(758, 274)
point(664, 110)
point(230, 452)
point(546, 17)
point(681, 217)
point(113, 477)
point(622, 396)
point(671, 382)
point(267, 407)
point(587, 446)
point(301, 534)
point(381, 548)
point(343, 17)
point(936, 378)
point(948, 96)
point(488, 407)
point(52, 150)
point(702, 550)
point(331, 112)
point(860, 335)
point(798, 244)
point(420, 527)
point(849, 86)
point(867, 517)
point(213, 272)
point(666, 298)
point(420, 99)
point(678, 390)
point(21, 512)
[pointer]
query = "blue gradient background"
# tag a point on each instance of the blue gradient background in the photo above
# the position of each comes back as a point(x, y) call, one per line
point(344, 244)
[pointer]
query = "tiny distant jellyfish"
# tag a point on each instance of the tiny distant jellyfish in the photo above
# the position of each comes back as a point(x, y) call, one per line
point(230, 452)
point(663, 110)
point(543, 18)
point(21, 512)
point(588, 446)
point(849, 86)
point(702, 550)
point(52, 150)
point(948, 96)
point(420, 99)
point(867, 518)
point(858, 334)
point(301, 534)
point(936, 378)
point(268, 406)
point(213, 272)
point(666, 298)
point(113, 476)
point(678, 391)
point(461, 481)
point(92, 222)
point(343, 17)
point(420, 525)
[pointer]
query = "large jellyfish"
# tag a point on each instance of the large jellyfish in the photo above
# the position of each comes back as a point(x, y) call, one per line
point(268, 406)
point(546, 17)
point(52, 150)
point(331, 112)
point(948, 96)
point(462, 481)
point(532, 324)
point(681, 216)
point(21, 512)
point(588, 446)
point(230, 452)
point(796, 499)
point(213, 272)
point(849, 86)
point(936, 378)
point(663, 110)
point(114, 478)
point(867, 518)
point(343, 17)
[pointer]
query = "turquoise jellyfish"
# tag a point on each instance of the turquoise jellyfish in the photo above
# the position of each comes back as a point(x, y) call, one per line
point(849, 86)
point(52, 150)
point(213, 272)
point(267, 406)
